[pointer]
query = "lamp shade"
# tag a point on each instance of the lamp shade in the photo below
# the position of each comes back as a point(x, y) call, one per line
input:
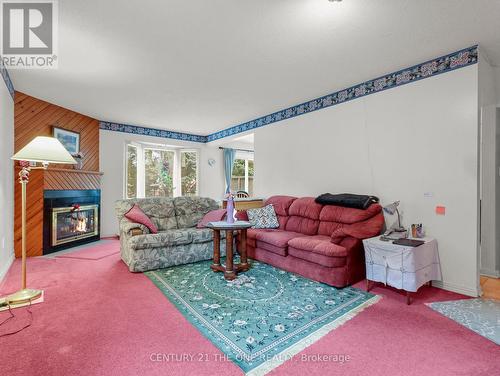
point(391, 208)
point(44, 149)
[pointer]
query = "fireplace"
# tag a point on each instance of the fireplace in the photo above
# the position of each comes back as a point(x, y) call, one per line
point(71, 217)
point(74, 223)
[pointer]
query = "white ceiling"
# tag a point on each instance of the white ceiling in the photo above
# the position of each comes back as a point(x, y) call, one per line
point(199, 66)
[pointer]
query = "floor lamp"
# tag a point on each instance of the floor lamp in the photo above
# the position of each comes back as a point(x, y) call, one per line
point(42, 150)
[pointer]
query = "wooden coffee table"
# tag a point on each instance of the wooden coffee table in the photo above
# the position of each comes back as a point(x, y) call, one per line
point(229, 269)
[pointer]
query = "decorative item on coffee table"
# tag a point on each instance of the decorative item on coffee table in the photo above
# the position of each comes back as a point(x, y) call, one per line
point(230, 208)
point(229, 269)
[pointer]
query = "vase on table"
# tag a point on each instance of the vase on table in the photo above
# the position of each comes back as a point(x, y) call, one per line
point(230, 209)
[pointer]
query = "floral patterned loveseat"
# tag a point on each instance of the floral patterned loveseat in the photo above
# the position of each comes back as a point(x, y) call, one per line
point(178, 241)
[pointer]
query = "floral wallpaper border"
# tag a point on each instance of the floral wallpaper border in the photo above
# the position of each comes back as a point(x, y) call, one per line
point(443, 64)
point(6, 79)
point(134, 129)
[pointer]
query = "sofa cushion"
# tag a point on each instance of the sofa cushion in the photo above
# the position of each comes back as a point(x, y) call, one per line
point(329, 262)
point(190, 210)
point(319, 244)
point(333, 217)
point(204, 235)
point(275, 241)
point(168, 238)
point(339, 214)
point(277, 238)
point(264, 217)
point(282, 251)
point(304, 216)
point(281, 205)
point(327, 228)
point(319, 250)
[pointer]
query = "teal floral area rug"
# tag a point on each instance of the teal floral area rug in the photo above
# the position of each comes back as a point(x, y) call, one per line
point(263, 317)
point(479, 315)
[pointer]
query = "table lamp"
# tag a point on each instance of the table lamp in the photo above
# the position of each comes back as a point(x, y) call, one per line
point(44, 150)
point(392, 209)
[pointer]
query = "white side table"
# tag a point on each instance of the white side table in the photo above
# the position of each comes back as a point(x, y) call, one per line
point(403, 267)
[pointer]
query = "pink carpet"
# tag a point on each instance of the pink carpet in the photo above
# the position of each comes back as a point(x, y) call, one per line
point(94, 252)
point(99, 319)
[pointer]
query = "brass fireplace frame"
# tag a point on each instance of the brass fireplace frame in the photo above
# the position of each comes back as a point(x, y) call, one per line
point(69, 209)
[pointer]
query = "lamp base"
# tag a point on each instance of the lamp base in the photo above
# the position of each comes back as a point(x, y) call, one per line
point(399, 229)
point(23, 296)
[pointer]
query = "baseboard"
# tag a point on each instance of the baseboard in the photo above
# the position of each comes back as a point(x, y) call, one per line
point(456, 288)
point(108, 237)
point(490, 273)
point(5, 268)
point(111, 236)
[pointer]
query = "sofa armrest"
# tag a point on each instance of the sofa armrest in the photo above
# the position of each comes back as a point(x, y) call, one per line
point(359, 230)
point(133, 229)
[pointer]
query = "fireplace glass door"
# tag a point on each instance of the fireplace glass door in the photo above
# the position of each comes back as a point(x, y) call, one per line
point(70, 224)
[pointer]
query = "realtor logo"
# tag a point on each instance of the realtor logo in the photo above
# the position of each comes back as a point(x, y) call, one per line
point(29, 31)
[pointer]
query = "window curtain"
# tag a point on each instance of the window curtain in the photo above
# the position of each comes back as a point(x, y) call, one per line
point(229, 155)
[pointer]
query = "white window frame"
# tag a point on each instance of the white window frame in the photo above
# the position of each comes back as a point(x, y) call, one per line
point(141, 169)
point(246, 156)
point(197, 168)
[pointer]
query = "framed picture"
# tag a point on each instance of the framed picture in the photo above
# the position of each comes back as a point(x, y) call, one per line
point(70, 140)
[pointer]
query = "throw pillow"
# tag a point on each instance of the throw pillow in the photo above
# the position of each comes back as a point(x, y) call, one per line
point(263, 217)
point(211, 216)
point(241, 215)
point(136, 215)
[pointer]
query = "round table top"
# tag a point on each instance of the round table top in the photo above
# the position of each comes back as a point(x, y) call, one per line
point(223, 225)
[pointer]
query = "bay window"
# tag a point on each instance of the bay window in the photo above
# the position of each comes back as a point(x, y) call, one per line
point(160, 171)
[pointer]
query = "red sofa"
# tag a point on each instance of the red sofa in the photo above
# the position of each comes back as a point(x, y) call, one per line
point(320, 242)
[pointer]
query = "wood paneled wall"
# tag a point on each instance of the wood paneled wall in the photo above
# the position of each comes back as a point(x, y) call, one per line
point(71, 179)
point(34, 215)
point(34, 117)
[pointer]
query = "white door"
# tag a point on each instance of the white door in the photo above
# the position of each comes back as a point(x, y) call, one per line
point(488, 176)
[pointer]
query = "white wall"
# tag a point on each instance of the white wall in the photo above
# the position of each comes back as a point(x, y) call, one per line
point(6, 180)
point(112, 162)
point(398, 144)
